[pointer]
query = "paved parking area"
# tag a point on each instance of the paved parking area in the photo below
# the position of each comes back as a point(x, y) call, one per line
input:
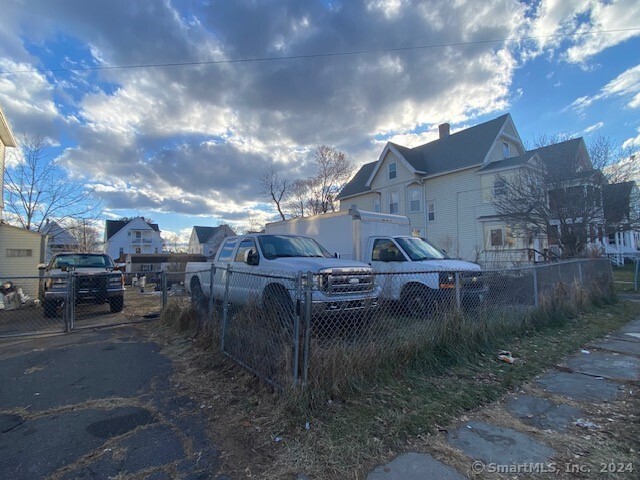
point(97, 404)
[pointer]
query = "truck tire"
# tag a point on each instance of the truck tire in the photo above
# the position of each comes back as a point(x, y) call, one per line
point(198, 299)
point(418, 300)
point(116, 304)
point(50, 308)
point(277, 304)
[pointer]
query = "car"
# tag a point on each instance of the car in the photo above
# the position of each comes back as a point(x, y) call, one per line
point(96, 280)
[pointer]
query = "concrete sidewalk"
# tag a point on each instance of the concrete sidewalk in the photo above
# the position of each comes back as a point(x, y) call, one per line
point(588, 377)
point(97, 405)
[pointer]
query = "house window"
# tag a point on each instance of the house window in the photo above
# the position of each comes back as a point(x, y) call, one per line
point(146, 268)
point(431, 211)
point(496, 237)
point(499, 187)
point(393, 202)
point(138, 234)
point(414, 200)
point(138, 250)
point(121, 251)
point(376, 205)
point(505, 149)
point(19, 252)
point(392, 170)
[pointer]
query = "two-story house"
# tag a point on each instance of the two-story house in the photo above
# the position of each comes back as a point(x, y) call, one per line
point(446, 187)
point(58, 239)
point(206, 240)
point(122, 237)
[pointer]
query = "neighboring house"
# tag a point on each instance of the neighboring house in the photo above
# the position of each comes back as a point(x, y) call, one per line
point(206, 240)
point(21, 250)
point(446, 188)
point(58, 239)
point(621, 240)
point(134, 236)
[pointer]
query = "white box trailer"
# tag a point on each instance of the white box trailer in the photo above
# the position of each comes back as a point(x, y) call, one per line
point(345, 232)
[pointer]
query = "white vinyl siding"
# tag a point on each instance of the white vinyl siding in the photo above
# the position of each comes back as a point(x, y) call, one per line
point(365, 202)
point(17, 240)
point(2, 152)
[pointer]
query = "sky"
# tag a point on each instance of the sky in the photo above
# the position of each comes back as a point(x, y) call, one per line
point(172, 109)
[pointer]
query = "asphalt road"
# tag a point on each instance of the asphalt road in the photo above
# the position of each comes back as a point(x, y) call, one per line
point(96, 405)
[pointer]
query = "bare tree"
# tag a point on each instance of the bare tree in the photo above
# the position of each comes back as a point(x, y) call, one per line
point(333, 173)
point(85, 232)
point(619, 164)
point(299, 198)
point(274, 188)
point(565, 208)
point(37, 189)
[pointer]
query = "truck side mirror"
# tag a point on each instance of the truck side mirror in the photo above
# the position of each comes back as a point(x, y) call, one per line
point(251, 257)
point(42, 266)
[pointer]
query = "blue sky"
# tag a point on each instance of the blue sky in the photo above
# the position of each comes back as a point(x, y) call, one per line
point(185, 145)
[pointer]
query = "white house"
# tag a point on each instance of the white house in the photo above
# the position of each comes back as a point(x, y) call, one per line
point(446, 188)
point(206, 240)
point(134, 236)
point(58, 239)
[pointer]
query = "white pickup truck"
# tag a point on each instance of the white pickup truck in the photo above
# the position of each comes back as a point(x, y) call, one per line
point(265, 269)
point(407, 268)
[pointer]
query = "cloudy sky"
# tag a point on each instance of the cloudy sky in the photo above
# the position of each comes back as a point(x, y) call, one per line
point(206, 94)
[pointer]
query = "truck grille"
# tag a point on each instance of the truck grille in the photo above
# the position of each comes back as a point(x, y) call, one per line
point(92, 283)
point(471, 280)
point(343, 281)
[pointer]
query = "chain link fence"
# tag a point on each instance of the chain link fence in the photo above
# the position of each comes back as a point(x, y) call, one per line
point(320, 330)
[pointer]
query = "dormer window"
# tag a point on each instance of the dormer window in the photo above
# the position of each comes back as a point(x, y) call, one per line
point(392, 170)
point(505, 149)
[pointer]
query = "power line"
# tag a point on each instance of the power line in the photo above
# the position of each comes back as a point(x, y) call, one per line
point(318, 55)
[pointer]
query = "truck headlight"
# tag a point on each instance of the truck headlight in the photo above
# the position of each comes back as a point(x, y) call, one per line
point(58, 283)
point(447, 280)
point(116, 280)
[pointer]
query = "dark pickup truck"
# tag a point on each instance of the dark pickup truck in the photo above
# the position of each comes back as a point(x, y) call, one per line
point(96, 281)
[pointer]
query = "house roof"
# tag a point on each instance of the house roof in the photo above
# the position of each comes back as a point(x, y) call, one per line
point(114, 226)
point(59, 235)
point(205, 233)
point(5, 132)
point(462, 149)
point(556, 157)
point(358, 184)
point(616, 199)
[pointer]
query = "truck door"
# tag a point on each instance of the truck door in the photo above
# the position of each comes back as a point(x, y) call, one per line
point(244, 286)
point(224, 258)
point(387, 259)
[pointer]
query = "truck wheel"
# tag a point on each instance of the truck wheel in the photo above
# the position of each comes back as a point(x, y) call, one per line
point(116, 304)
point(49, 308)
point(278, 305)
point(197, 295)
point(418, 301)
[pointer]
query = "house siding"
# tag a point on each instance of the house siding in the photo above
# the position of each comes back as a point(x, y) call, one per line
point(382, 184)
point(123, 240)
point(456, 198)
point(13, 268)
point(2, 153)
point(194, 246)
point(364, 202)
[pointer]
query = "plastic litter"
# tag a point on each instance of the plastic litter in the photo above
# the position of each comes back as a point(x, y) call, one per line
point(585, 423)
point(277, 439)
point(586, 352)
point(307, 426)
point(506, 357)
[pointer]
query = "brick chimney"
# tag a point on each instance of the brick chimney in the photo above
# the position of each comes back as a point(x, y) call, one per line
point(444, 129)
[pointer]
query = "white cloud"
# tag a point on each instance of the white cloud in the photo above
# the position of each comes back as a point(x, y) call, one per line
point(594, 127)
point(624, 85)
point(633, 142)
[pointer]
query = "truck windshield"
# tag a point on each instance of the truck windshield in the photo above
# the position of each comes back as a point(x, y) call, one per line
point(418, 249)
point(79, 260)
point(276, 246)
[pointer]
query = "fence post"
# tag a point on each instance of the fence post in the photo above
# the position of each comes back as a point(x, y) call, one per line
point(225, 308)
point(635, 277)
point(535, 286)
point(458, 291)
point(580, 272)
point(307, 326)
point(68, 312)
point(163, 280)
point(296, 329)
point(212, 274)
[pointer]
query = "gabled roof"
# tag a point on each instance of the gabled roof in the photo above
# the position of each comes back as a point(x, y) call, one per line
point(462, 149)
point(616, 199)
point(58, 235)
point(114, 226)
point(205, 233)
point(557, 158)
point(358, 184)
